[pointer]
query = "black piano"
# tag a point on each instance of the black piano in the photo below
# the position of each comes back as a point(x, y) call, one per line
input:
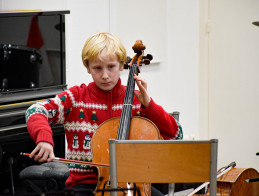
point(32, 68)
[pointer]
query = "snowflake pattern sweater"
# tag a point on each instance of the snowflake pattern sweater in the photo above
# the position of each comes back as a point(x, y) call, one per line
point(81, 110)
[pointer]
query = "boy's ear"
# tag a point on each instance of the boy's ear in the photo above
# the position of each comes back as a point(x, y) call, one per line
point(121, 67)
point(88, 70)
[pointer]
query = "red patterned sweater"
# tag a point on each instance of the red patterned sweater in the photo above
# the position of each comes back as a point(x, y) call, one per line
point(81, 110)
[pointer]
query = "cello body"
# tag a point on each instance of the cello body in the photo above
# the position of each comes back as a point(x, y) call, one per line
point(233, 183)
point(140, 128)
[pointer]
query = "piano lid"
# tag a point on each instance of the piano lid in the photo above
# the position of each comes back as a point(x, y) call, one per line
point(24, 98)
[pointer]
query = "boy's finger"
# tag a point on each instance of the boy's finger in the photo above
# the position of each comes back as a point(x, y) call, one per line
point(34, 152)
point(51, 157)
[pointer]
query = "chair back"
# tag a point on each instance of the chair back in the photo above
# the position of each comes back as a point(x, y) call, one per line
point(163, 161)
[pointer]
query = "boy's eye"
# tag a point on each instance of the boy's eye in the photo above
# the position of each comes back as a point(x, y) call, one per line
point(111, 66)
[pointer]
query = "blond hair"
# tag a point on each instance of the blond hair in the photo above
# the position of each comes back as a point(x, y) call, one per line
point(100, 41)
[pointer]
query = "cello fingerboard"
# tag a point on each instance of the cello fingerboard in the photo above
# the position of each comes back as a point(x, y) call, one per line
point(123, 132)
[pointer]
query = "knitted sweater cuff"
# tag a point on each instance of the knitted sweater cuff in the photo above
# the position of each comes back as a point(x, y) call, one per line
point(39, 129)
point(44, 136)
point(150, 109)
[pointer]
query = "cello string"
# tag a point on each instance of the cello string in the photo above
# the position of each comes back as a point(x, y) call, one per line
point(130, 100)
point(127, 106)
point(124, 111)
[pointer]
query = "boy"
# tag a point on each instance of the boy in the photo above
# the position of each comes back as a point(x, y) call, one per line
point(83, 108)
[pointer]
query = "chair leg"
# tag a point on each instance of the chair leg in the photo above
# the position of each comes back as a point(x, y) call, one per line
point(171, 187)
point(10, 162)
point(113, 171)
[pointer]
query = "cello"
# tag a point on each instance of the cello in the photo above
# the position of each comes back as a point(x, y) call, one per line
point(124, 127)
point(234, 182)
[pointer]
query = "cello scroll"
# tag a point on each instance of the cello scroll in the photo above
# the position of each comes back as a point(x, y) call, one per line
point(139, 58)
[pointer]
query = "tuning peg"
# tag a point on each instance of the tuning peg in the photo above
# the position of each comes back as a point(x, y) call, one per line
point(128, 59)
point(126, 66)
point(146, 61)
point(148, 56)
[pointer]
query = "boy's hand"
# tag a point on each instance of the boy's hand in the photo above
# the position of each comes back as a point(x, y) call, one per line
point(45, 152)
point(142, 95)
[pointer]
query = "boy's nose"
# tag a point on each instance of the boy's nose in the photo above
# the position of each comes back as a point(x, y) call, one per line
point(105, 75)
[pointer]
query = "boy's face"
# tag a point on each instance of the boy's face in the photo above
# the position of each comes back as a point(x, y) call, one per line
point(105, 71)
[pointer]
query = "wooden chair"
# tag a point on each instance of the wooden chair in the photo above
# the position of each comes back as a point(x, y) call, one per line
point(163, 161)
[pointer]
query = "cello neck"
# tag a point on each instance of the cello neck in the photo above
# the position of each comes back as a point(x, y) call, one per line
point(125, 119)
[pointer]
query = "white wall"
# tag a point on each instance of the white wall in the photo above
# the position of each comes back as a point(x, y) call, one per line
point(85, 19)
point(181, 74)
point(233, 81)
point(33, 5)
